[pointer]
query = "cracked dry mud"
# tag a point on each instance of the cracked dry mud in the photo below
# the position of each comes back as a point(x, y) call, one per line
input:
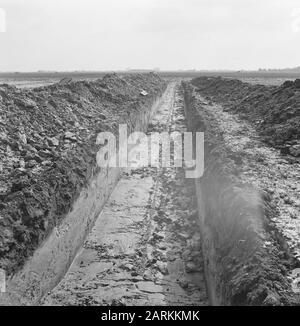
point(145, 248)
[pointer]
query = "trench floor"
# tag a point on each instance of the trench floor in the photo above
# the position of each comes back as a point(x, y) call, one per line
point(145, 247)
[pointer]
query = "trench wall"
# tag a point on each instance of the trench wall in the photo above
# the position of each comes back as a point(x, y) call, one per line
point(49, 262)
point(244, 263)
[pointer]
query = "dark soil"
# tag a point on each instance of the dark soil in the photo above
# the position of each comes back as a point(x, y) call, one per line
point(48, 151)
point(247, 264)
point(274, 110)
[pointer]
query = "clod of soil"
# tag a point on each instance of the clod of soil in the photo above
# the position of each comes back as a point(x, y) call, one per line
point(274, 110)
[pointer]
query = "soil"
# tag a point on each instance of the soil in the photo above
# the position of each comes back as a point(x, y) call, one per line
point(145, 248)
point(249, 199)
point(48, 151)
point(274, 111)
point(230, 238)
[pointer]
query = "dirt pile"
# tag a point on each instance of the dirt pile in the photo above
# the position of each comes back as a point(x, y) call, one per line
point(246, 262)
point(274, 110)
point(48, 151)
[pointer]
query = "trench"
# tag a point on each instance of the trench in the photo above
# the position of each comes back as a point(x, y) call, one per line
point(249, 235)
point(149, 236)
point(145, 247)
point(48, 263)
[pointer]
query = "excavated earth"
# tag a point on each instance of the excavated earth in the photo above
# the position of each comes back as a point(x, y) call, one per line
point(48, 151)
point(274, 111)
point(249, 198)
point(72, 233)
point(145, 248)
point(47, 163)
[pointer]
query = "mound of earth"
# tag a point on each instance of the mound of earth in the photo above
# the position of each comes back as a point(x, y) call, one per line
point(48, 151)
point(248, 208)
point(274, 110)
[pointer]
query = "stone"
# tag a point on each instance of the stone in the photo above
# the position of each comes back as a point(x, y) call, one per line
point(288, 200)
point(184, 284)
point(44, 153)
point(65, 81)
point(23, 138)
point(149, 287)
point(102, 117)
point(46, 163)
point(287, 84)
point(128, 267)
point(22, 164)
point(30, 148)
point(70, 136)
point(148, 276)
point(295, 150)
point(31, 164)
point(297, 83)
point(191, 268)
point(186, 255)
point(26, 103)
point(162, 267)
point(53, 141)
point(162, 247)
point(293, 213)
point(158, 235)
point(3, 136)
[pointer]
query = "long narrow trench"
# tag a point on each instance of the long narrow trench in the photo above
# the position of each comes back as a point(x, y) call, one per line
point(145, 246)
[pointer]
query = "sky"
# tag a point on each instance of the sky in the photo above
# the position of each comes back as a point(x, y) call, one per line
point(66, 35)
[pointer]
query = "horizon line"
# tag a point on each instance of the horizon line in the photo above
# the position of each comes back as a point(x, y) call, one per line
point(157, 70)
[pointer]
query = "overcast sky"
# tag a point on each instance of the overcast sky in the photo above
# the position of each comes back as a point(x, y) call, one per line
point(170, 34)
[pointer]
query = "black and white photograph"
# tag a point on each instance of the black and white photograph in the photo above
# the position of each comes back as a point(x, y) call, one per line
point(149, 156)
